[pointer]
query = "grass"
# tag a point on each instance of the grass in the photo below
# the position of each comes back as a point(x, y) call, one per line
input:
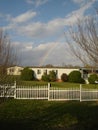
point(57, 84)
point(53, 84)
point(47, 115)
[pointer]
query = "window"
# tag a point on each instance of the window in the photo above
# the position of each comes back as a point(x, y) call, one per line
point(45, 71)
point(56, 71)
point(11, 70)
point(38, 71)
point(19, 70)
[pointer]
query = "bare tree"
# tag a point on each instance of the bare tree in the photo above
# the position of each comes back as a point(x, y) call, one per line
point(7, 54)
point(83, 41)
point(7, 58)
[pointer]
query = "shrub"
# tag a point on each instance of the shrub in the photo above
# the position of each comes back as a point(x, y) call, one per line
point(93, 78)
point(75, 77)
point(45, 77)
point(27, 74)
point(64, 77)
point(52, 76)
point(49, 77)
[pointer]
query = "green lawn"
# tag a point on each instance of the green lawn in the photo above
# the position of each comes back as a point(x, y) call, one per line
point(47, 115)
point(56, 84)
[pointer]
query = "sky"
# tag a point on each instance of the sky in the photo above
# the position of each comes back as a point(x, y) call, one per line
point(37, 28)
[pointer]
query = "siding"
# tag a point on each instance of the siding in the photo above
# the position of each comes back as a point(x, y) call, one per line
point(38, 72)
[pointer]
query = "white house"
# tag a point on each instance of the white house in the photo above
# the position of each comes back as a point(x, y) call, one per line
point(14, 70)
point(38, 72)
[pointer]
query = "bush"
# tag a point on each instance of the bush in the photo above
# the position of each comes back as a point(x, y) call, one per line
point(93, 78)
point(27, 74)
point(75, 77)
point(45, 77)
point(49, 77)
point(52, 76)
point(64, 77)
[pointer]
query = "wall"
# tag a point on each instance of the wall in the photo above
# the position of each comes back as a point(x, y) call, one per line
point(38, 72)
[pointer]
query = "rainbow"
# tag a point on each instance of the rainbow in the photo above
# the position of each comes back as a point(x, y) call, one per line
point(48, 53)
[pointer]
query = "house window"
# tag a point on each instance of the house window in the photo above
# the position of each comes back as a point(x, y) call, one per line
point(45, 71)
point(38, 71)
point(19, 70)
point(11, 70)
point(56, 71)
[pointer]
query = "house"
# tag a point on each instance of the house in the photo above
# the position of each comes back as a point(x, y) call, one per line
point(14, 70)
point(86, 72)
point(38, 71)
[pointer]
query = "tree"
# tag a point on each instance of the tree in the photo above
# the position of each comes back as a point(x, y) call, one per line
point(49, 66)
point(7, 58)
point(7, 55)
point(27, 74)
point(82, 39)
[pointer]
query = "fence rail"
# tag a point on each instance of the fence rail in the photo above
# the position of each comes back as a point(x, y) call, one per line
point(46, 92)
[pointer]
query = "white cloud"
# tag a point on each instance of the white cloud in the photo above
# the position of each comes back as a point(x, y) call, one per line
point(5, 17)
point(79, 1)
point(82, 3)
point(53, 27)
point(40, 2)
point(15, 23)
point(41, 30)
point(30, 1)
point(22, 24)
point(55, 53)
point(50, 52)
point(24, 17)
point(37, 3)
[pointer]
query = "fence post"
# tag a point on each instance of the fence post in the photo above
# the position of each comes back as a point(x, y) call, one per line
point(15, 89)
point(80, 92)
point(48, 91)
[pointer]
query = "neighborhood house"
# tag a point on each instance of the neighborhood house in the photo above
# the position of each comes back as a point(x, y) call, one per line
point(14, 70)
point(39, 71)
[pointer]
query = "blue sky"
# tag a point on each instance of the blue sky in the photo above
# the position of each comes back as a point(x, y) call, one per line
point(37, 28)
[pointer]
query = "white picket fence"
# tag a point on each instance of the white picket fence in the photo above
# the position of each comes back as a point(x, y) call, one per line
point(64, 94)
point(49, 93)
point(31, 92)
point(89, 94)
